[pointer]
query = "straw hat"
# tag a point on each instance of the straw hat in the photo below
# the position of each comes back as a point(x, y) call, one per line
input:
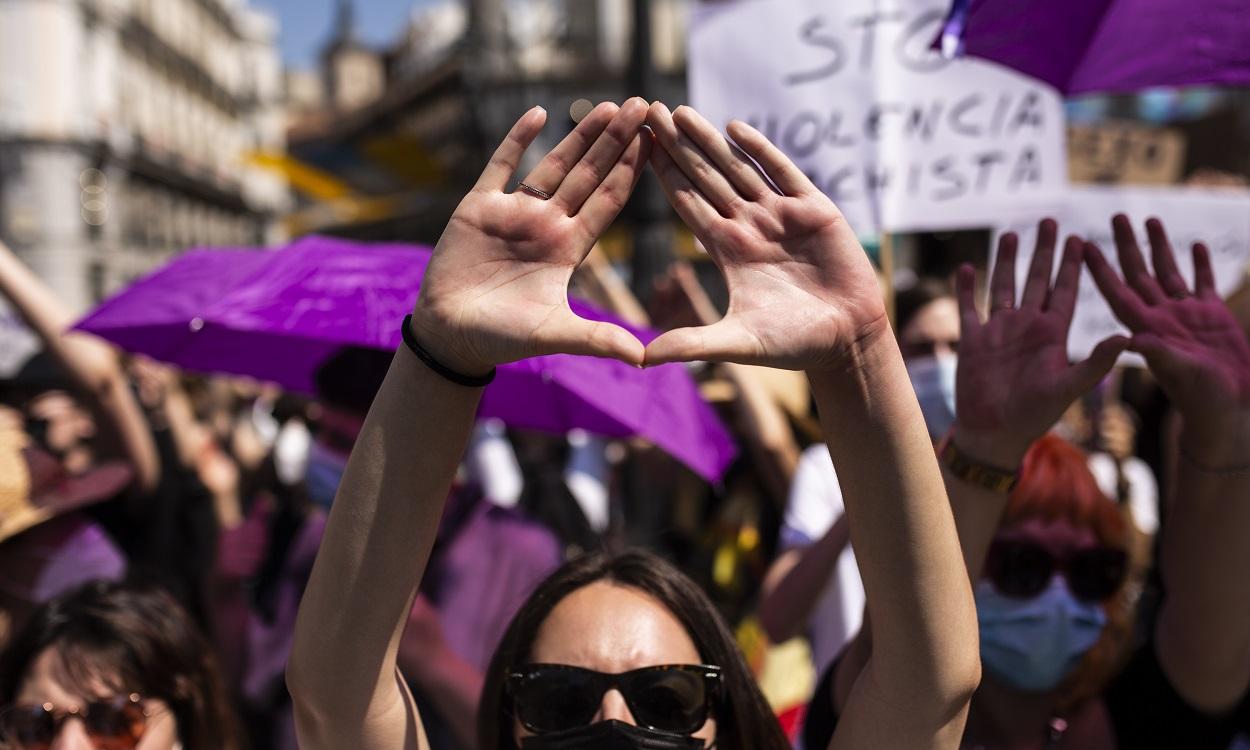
point(34, 487)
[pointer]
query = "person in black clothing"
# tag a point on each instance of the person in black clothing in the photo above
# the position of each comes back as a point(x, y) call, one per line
point(1043, 579)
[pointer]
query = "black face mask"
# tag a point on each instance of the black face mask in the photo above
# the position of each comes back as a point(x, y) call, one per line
point(611, 735)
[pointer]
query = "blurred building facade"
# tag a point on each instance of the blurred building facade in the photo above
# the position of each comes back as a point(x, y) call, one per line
point(456, 78)
point(125, 133)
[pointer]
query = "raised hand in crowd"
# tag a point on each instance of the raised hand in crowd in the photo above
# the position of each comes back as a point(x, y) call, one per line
point(1200, 357)
point(1015, 379)
point(803, 295)
point(92, 365)
point(503, 294)
point(680, 301)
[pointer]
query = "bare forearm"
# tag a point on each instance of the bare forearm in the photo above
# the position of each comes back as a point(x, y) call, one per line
point(922, 614)
point(377, 542)
point(180, 416)
point(797, 581)
point(770, 436)
point(90, 362)
point(1204, 625)
point(978, 510)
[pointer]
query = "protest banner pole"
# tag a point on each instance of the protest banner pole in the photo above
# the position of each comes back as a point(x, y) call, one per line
point(648, 208)
point(885, 258)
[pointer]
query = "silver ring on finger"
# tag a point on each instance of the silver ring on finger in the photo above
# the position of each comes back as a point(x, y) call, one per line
point(536, 192)
point(1179, 295)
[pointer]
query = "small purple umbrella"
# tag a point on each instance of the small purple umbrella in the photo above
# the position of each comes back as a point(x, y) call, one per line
point(277, 315)
point(1082, 46)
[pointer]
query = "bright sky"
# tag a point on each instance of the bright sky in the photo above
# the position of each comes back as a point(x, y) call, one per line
point(306, 24)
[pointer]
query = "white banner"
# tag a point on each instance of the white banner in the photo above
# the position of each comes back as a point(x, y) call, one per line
point(901, 138)
point(1219, 218)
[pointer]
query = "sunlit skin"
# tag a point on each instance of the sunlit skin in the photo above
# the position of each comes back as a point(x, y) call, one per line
point(47, 682)
point(612, 628)
point(932, 331)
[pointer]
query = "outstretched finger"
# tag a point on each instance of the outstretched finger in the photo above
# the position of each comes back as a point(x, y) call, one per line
point(504, 162)
point(1083, 376)
point(723, 341)
point(731, 160)
point(1037, 285)
point(588, 174)
point(788, 178)
point(1164, 260)
point(605, 204)
point(1003, 279)
point(693, 162)
point(966, 288)
point(1124, 302)
point(1204, 274)
point(569, 333)
point(691, 205)
point(1132, 263)
point(1062, 298)
point(557, 164)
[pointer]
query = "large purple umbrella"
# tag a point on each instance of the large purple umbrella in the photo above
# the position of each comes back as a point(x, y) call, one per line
point(1084, 46)
point(277, 315)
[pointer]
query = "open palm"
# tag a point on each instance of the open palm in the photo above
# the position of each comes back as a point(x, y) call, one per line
point(1193, 344)
point(496, 289)
point(1015, 379)
point(801, 289)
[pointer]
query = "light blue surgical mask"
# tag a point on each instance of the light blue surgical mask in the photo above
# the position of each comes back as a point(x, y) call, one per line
point(324, 473)
point(933, 379)
point(1032, 644)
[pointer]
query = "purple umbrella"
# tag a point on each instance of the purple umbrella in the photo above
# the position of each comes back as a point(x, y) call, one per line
point(277, 315)
point(1082, 46)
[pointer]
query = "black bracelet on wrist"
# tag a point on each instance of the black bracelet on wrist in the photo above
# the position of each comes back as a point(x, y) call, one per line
point(469, 381)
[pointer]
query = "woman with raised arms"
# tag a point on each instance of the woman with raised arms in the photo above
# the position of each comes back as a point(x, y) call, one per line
point(624, 651)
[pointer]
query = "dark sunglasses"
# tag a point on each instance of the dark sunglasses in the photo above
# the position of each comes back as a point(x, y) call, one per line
point(555, 697)
point(116, 724)
point(1022, 569)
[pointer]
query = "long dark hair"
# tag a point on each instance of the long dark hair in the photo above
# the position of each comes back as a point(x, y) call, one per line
point(744, 719)
point(133, 639)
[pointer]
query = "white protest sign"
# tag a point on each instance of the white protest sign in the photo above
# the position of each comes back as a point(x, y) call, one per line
point(901, 138)
point(1219, 218)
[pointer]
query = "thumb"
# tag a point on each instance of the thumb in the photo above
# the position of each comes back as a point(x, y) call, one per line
point(720, 342)
point(571, 334)
point(1159, 356)
point(1083, 376)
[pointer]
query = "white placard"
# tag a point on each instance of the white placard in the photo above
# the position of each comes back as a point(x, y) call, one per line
point(901, 138)
point(1219, 218)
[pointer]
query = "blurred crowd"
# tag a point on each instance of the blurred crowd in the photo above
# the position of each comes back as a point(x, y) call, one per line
point(157, 527)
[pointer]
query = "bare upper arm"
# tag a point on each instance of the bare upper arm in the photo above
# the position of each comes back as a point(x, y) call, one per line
point(396, 723)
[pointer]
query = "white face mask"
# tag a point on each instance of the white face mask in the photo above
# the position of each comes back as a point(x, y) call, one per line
point(291, 452)
point(933, 379)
